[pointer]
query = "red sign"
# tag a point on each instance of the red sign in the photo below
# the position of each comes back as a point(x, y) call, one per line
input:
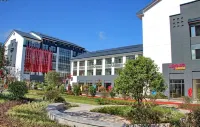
point(190, 92)
point(181, 66)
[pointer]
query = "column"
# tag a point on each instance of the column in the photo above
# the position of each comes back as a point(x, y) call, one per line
point(78, 68)
point(94, 69)
point(85, 67)
point(124, 61)
point(103, 66)
point(113, 68)
point(72, 67)
point(57, 58)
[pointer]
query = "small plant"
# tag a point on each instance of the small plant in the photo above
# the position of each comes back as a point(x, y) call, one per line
point(51, 95)
point(104, 94)
point(59, 100)
point(86, 89)
point(76, 90)
point(62, 88)
point(187, 100)
point(112, 93)
point(18, 89)
point(102, 89)
point(92, 91)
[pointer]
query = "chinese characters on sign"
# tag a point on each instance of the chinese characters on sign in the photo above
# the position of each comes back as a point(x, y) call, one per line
point(181, 66)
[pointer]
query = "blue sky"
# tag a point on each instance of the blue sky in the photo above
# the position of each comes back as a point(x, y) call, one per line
point(93, 24)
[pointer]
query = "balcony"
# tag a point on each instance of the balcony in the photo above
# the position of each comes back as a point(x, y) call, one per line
point(90, 67)
point(118, 65)
point(108, 65)
point(82, 68)
point(98, 66)
point(74, 68)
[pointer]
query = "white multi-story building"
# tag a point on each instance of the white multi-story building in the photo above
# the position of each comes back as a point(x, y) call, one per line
point(156, 29)
point(33, 54)
point(92, 67)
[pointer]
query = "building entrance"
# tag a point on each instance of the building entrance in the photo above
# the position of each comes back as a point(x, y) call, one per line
point(176, 88)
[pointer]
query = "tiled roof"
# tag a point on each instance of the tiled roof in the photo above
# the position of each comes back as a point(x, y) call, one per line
point(148, 6)
point(55, 39)
point(23, 34)
point(113, 51)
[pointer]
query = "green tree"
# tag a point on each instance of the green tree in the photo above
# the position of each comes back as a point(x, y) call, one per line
point(138, 78)
point(53, 79)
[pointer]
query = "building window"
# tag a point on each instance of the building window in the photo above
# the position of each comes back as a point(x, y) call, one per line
point(118, 59)
point(108, 72)
point(89, 72)
point(117, 71)
point(81, 73)
point(45, 47)
point(74, 73)
point(75, 63)
point(90, 62)
point(195, 30)
point(52, 49)
point(99, 62)
point(53, 65)
point(54, 58)
point(108, 60)
point(99, 72)
point(195, 51)
point(82, 63)
point(64, 60)
point(176, 88)
point(131, 57)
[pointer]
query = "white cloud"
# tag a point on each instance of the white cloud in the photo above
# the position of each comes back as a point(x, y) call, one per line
point(102, 35)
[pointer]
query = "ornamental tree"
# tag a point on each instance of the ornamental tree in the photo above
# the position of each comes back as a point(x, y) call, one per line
point(52, 78)
point(138, 78)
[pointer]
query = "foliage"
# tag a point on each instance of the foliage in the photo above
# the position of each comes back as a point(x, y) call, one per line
point(52, 78)
point(104, 101)
point(40, 85)
point(112, 93)
point(192, 119)
point(102, 89)
point(188, 106)
point(153, 114)
point(138, 77)
point(187, 100)
point(69, 92)
point(49, 87)
point(32, 115)
point(62, 88)
point(92, 91)
point(85, 89)
point(99, 84)
point(18, 89)
point(198, 94)
point(80, 99)
point(51, 95)
point(59, 100)
point(76, 90)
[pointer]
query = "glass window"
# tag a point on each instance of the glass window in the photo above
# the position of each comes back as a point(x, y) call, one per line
point(75, 63)
point(54, 58)
point(64, 59)
point(118, 59)
point(176, 88)
point(99, 62)
point(99, 72)
point(195, 30)
point(108, 60)
point(45, 47)
point(108, 72)
point(74, 73)
point(54, 66)
point(53, 48)
point(82, 63)
point(89, 72)
point(81, 73)
point(195, 49)
point(90, 62)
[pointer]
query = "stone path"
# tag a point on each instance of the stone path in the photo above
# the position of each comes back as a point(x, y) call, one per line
point(83, 111)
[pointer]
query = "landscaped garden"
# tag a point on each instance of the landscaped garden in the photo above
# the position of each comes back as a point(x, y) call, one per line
point(23, 104)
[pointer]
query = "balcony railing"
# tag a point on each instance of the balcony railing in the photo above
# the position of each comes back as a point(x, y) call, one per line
point(108, 65)
point(81, 67)
point(90, 67)
point(74, 68)
point(118, 65)
point(98, 66)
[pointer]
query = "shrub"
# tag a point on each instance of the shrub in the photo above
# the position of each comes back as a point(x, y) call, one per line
point(76, 90)
point(51, 95)
point(102, 89)
point(69, 92)
point(86, 89)
point(104, 101)
point(62, 88)
point(104, 94)
point(92, 91)
point(18, 89)
point(59, 100)
point(187, 100)
point(112, 93)
point(196, 116)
